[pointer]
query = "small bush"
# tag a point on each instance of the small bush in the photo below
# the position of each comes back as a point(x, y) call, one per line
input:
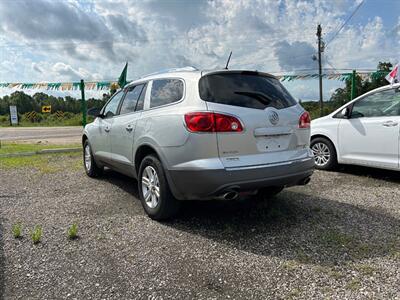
point(73, 231)
point(36, 234)
point(17, 231)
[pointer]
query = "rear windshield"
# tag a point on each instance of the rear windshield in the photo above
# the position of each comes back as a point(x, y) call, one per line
point(246, 90)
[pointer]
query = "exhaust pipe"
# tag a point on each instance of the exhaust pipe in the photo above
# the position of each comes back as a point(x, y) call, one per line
point(305, 181)
point(230, 195)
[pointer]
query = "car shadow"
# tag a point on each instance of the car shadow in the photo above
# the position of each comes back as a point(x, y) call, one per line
point(382, 174)
point(294, 226)
point(2, 260)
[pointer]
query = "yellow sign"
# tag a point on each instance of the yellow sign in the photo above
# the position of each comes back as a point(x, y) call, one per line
point(46, 109)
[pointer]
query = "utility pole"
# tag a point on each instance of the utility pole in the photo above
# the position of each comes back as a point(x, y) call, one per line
point(320, 50)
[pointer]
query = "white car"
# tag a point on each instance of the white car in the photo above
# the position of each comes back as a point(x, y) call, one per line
point(363, 132)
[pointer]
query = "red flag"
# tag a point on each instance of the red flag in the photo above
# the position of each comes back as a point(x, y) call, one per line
point(394, 75)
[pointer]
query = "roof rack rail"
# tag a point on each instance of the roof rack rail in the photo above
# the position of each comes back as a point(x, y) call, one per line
point(184, 69)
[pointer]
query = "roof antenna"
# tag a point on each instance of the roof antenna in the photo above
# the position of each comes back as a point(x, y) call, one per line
point(229, 59)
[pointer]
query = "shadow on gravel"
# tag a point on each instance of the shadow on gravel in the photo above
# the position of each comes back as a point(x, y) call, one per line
point(387, 175)
point(295, 226)
point(2, 262)
point(125, 183)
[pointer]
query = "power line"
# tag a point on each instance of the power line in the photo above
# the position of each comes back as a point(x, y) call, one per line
point(344, 24)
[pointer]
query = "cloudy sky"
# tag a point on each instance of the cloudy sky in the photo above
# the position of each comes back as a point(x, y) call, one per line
point(65, 40)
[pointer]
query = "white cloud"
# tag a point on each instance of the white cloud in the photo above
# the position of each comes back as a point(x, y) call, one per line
point(59, 41)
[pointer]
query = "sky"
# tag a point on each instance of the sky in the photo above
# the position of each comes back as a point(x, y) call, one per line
point(66, 40)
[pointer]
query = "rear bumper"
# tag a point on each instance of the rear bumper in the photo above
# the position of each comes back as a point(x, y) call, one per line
point(208, 183)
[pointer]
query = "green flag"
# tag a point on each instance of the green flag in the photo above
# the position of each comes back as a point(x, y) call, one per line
point(122, 77)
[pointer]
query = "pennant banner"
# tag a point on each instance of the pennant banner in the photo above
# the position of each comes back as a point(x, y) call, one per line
point(105, 85)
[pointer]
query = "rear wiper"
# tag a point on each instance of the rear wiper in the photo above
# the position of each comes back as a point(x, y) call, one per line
point(264, 99)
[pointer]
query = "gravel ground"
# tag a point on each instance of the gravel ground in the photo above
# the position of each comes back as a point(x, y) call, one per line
point(337, 238)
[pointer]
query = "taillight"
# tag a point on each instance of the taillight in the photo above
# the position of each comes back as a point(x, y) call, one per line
point(212, 122)
point(305, 120)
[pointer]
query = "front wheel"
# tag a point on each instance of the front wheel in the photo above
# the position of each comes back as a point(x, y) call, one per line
point(91, 168)
point(324, 153)
point(155, 195)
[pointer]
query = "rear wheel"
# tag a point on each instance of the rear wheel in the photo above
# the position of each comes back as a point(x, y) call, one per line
point(324, 153)
point(91, 168)
point(155, 195)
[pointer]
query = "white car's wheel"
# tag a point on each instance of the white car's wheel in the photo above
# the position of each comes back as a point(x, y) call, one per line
point(324, 153)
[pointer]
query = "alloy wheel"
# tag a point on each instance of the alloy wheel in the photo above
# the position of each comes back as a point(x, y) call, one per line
point(321, 154)
point(88, 158)
point(150, 187)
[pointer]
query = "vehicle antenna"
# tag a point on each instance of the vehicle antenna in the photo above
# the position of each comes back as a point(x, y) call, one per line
point(227, 63)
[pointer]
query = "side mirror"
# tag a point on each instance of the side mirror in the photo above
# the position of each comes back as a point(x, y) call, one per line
point(95, 112)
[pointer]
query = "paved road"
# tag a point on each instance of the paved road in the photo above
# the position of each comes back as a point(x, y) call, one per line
point(70, 133)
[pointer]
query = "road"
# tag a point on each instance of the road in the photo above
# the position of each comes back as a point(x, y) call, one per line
point(52, 135)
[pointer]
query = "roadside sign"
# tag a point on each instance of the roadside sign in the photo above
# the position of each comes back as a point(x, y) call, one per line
point(31, 115)
point(46, 109)
point(60, 114)
point(13, 115)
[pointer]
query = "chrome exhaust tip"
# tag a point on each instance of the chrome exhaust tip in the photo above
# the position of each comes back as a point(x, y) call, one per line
point(229, 195)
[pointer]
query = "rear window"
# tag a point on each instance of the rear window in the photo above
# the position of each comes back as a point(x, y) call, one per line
point(166, 91)
point(246, 90)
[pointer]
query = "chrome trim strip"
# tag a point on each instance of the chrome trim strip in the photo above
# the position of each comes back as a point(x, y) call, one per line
point(268, 165)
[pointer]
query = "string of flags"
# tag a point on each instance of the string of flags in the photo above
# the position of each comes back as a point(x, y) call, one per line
point(106, 85)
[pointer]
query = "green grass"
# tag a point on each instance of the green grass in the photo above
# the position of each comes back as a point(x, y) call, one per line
point(10, 148)
point(17, 230)
point(73, 231)
point(44, 163)
point(36, 234)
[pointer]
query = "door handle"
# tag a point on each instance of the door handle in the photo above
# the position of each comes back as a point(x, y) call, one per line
point(129, 128)
point(390, 124)
point(107, 129)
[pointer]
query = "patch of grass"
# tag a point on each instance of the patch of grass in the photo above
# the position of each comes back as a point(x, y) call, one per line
point(302, 256)
point(36, 234)
point(353, 285)
point(10, 148)
point(44, 163)
point(290, 265)
point(366, 269)
point(73, 231)
point(17, 230)
point(337, 239)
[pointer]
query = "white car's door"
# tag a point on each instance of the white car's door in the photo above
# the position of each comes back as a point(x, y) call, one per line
point(123, 130)
point(370, 136)
point(100, 136)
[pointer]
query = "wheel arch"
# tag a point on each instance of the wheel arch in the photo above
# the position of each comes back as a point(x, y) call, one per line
point(319, 135)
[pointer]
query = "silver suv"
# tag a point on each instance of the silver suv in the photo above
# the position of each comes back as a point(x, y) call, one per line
point(189, 134)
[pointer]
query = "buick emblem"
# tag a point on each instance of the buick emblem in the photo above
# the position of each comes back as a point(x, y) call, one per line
point(273, 117)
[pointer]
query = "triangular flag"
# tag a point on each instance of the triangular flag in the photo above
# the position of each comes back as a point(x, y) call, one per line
point(122, 78)
point(394, 75)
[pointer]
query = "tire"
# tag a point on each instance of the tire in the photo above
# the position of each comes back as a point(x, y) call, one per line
point(324, 153)
point(159, 203)
point(269, 192)
point(91, 168)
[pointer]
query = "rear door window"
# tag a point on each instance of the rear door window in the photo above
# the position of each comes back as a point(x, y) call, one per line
point(131, 99)
point(166, 91)
point(246, 89)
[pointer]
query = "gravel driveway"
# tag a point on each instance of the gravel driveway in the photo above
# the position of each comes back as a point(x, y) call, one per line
point(337, 238)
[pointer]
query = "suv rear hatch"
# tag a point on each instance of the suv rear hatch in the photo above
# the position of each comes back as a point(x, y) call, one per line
point(268, 113)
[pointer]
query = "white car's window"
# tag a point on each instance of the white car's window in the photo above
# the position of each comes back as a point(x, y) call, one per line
point(166, 91)
point(379, 104)
point(131, 99)
point(111, 109)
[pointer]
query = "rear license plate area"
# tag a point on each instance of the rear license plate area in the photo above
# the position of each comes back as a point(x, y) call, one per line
point(273, 143)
